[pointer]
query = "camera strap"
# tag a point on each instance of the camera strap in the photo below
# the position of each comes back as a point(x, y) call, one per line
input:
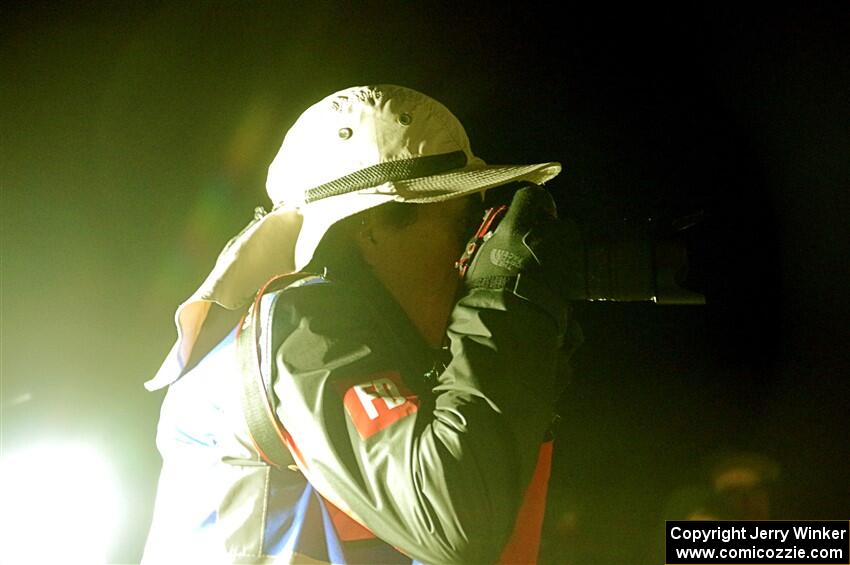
point(491, 219)
point(268, 435)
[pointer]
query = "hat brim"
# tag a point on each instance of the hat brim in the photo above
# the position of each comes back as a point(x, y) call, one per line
point(320, 215)
point(474, 178)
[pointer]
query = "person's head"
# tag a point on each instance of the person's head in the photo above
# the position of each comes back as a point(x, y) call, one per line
point(366, 146)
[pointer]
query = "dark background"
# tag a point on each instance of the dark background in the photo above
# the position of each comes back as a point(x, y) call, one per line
point(135, 141)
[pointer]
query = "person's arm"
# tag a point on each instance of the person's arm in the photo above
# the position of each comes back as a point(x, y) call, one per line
point(441, 476)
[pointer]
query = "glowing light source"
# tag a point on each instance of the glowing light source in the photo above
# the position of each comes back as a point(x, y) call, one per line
point(58, 504)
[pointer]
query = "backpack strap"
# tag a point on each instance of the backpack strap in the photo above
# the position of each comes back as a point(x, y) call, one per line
point(270, 438)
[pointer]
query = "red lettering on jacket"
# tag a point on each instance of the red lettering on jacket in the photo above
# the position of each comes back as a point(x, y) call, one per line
point(378, 401)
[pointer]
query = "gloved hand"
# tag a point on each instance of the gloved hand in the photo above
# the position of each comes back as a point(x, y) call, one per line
point(531, 253)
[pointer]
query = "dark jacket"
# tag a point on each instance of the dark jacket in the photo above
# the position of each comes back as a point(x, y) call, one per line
point(433, 451)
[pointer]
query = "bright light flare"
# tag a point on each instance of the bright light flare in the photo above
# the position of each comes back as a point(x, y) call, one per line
point(58, 504)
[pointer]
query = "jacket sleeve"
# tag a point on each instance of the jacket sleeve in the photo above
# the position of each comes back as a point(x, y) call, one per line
point(439, 475)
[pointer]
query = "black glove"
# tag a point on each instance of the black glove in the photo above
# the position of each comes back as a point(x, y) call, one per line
point(531, 253)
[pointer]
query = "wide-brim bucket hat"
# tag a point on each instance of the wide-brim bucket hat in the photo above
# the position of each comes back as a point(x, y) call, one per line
point(353, 150)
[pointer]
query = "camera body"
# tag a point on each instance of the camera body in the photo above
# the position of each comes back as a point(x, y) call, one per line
point(631, 261)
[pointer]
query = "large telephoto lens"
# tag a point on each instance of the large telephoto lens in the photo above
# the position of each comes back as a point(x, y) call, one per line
point(628, 262)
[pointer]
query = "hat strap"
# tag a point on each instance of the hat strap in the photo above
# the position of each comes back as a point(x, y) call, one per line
point(403, 169)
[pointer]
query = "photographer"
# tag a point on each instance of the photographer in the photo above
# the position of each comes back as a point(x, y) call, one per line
point(372, 406)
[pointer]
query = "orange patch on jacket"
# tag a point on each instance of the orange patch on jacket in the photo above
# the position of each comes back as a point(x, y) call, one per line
point(378, 401)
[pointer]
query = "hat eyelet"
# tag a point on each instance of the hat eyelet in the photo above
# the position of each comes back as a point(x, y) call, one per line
point(405, 119)
point(345, 133)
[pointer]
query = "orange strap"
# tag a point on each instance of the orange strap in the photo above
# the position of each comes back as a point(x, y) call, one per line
point(524, 544)
point(347, 528)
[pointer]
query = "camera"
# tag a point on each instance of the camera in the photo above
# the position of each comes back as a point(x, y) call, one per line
point(634, 260)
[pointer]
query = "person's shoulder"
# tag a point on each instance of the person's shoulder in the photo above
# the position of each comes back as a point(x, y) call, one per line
point(322, 323)
point(316, 293)
point(323, 303)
